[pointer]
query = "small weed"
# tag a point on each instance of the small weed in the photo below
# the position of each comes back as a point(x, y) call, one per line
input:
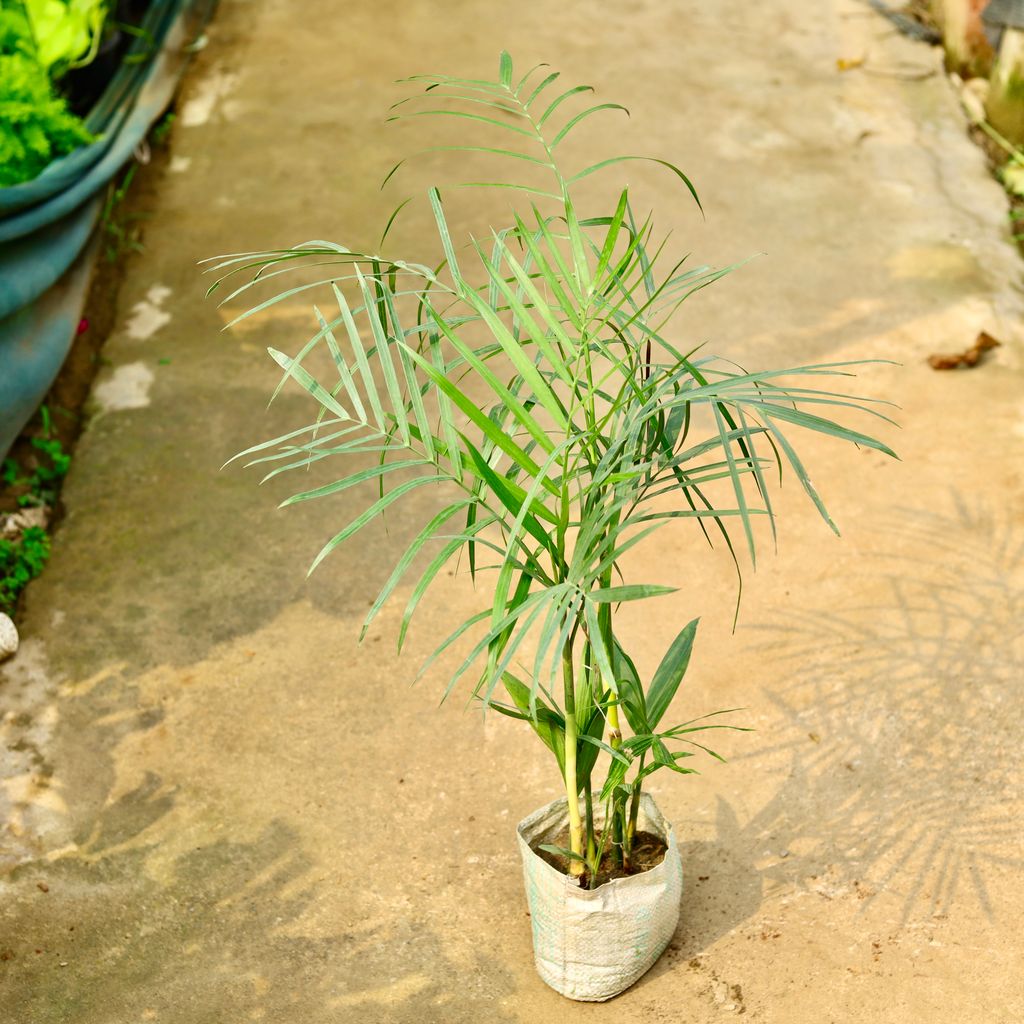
point(21, 560)
point(22, 557)
point(162, 129)
point(39, 483)
point(119, 229)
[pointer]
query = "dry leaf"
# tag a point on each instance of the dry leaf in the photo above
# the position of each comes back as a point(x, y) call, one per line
point(970, 357)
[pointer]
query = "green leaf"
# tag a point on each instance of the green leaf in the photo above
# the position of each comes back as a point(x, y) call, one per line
point(553, 77)
point(442, 229)
point(601, 164)
point(670, 674)
point(629, 592)
point(612, 235)
point(428, 576)
point(394, 213)
point(579, 117)
point(321, 394)
point(555, 104)
point(368, 515)
point(598, 743)
point(631, 692)
point(363, 364)
point(823, 426)
point(466, 115)
point(373, 473)
point(587, 753)
point(616, 777)
point(510, 402)
point(498, 437)
point(396, 403)
point(561, 851)
point(436, 368)
point(801, 474)
point(737, 484)
point(546, 723)
point(403, 563)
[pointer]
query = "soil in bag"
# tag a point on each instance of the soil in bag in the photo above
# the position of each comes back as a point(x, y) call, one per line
point(648, 852)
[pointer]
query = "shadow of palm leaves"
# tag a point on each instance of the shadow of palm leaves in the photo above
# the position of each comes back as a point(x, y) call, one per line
point(902, 716)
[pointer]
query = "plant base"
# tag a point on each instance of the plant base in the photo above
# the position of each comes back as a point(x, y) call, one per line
point(590, 945)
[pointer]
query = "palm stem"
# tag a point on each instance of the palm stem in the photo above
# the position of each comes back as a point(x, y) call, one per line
point(572, 791)
point(634, 809)
point(588, 801)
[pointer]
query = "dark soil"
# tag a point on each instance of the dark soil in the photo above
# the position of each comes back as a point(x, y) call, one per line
point(648, 852)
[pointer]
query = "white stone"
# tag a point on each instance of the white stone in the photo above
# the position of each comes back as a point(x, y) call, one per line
point(8, 637)
point(16, 523)
point(973, 94)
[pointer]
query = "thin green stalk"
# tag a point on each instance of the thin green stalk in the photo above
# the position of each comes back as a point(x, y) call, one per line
point(572, 791)
point(634, 808)
point(588, 800)
point(605, 833)
point(617, 822)
point(618, 831)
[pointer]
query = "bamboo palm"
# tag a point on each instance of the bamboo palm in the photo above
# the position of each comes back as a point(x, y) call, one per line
point(596, 428)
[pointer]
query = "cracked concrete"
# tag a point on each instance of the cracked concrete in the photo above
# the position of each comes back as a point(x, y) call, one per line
point(218, 808)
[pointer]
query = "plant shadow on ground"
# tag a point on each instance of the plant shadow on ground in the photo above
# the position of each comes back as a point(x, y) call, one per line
point(722, 888)
point(110, 913)
point(901, 721)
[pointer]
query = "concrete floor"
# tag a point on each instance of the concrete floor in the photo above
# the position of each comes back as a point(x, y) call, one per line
point(219, 808)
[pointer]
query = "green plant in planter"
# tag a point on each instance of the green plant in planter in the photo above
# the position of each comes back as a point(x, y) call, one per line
point(67, 33)
point(38, 39)
point(36, 126)
point(533, 380)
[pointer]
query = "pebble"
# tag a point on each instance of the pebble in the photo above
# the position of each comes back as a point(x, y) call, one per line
point(8, 637)
point(14, 524)
point(973, 94)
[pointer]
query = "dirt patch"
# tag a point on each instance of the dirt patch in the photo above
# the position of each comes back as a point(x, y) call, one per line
point(648, 852)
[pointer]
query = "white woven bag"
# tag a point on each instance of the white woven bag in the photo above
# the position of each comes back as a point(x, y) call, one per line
point(592, 945)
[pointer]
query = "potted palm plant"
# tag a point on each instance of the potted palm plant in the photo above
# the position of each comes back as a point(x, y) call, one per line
point(531, 379)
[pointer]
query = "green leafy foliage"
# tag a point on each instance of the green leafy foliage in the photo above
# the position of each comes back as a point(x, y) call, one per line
point(15, 33)
point(39, 482)
point(22, 557)
point(35, 124)
point(21, 560)
point(39, 39)
point(534, 373)
point(66, 32)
